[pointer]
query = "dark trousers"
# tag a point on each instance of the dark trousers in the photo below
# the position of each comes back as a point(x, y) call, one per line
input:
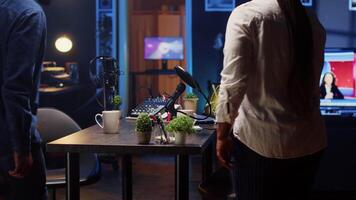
point(32, 187)
point(261, 178)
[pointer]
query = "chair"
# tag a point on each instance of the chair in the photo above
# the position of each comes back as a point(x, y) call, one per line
point(53, 124)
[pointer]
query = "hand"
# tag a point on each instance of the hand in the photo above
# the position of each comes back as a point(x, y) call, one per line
point(23, 165)
point(329, 95)
point(224, 149)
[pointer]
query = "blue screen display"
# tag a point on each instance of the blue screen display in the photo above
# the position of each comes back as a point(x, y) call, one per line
point(164, 48)
point(338, 81)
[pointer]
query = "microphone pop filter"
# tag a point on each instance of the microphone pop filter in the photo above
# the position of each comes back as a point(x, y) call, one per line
point(186, 77)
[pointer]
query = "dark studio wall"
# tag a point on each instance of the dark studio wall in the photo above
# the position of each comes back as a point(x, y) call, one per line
point(76, 19)
point(338, 21)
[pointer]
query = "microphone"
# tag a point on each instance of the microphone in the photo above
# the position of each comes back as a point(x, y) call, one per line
point(169, 107)
point(186, 77)
point(170, 103)
point(107, 78)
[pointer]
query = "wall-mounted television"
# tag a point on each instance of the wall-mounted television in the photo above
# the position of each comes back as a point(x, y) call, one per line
point(338, 82)
point(164, 48)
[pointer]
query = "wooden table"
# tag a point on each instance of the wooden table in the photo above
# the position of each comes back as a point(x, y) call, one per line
point(93, 140)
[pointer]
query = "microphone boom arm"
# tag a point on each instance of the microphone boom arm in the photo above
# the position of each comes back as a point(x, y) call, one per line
point(188, 79)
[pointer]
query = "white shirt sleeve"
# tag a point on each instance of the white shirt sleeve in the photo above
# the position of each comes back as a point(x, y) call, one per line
point(237, 63)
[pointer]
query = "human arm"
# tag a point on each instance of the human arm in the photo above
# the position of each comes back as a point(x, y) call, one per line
point(24, 49)
point(23, 164)
point(234, 78)
point(224, 145)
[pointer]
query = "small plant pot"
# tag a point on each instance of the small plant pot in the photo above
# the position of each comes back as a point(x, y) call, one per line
point(180, 138)
point(144, 137)
point(191, 104)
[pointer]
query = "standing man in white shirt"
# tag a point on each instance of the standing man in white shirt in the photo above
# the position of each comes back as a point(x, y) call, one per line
point(269, 100)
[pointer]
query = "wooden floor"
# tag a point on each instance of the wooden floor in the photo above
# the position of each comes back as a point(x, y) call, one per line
point(153, 179)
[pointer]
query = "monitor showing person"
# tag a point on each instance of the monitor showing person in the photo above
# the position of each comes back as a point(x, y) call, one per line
point(328, 88)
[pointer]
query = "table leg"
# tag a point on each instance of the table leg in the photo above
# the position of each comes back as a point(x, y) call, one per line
point(127, 177)
point(207, 162)
point(72, 177)
point(182, 177)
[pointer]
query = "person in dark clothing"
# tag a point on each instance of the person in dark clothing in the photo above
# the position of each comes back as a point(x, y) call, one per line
point(22, 43)
point(328, 88)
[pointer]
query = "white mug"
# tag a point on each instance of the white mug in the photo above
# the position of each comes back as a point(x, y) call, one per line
point(110, 120)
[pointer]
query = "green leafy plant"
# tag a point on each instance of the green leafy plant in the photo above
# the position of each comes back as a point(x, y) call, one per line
point(191, 95)
point(182, 124)
point(117, 102)
point(143, 123)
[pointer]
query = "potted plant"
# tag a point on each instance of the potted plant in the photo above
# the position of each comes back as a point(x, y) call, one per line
point(116, 101)
point(143, 128)
point(190, 102)
point(181, 126)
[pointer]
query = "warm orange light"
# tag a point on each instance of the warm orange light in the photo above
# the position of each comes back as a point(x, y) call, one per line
point(64, 44)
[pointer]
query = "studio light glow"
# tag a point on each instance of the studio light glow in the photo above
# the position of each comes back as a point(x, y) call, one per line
point(64, 44)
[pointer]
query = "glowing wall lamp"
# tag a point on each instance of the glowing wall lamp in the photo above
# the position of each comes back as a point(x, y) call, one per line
point(64, 44)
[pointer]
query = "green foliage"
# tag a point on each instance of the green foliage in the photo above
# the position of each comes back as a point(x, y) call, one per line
point(191, 95)
point(143, 123)
point(117, 102)
point(182, 124)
